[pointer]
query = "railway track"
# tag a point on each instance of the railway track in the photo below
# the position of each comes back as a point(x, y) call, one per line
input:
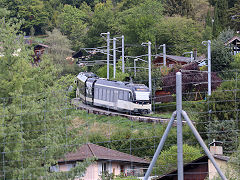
point(94, 110)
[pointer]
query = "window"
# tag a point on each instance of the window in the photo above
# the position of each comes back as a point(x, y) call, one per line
point(130, 96)
point(125, 96)
point(96, 93)
point(104, 94)
point(120, 95)
point(108, 95)
point(104, 167)
point(100, 93)
point(54, 168)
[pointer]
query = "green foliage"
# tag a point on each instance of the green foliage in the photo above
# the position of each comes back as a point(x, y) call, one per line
point(235, 16)
point(167, 161)
point(35, 122)
point(60, 52)
point(220, 17)
point(102, 72)
point(221, 55)
point(180, 34)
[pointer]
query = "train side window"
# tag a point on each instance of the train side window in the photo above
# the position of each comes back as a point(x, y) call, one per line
point(120, 95)
point(130, 96)
point(125, 95)
point(112, 95)
point(100, 93)
point(96, 93)
point(108, 95)
point(104, 94)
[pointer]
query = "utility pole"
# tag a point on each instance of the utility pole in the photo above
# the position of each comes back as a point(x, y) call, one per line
point(114, 57)
point(149, 64)
point(135, 68)
point(209, 66)
point(191, 52)
point(179, 125)
point(123, 65)
point(108, 53)
point(164, 54)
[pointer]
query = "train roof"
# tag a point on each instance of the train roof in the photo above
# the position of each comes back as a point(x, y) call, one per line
point(119, 84)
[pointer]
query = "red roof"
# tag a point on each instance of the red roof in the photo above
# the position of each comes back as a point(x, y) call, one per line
point(100, 152)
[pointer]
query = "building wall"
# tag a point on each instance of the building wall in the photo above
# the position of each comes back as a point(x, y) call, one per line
point(212, 171)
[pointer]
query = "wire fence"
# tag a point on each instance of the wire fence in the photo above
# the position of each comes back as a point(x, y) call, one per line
point(43, 136)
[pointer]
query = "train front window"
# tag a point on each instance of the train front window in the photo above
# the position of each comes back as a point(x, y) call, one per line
point(142, 96)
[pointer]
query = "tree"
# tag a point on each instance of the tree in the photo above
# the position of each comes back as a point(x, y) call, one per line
point(176, 7)
point(220, 17)
point(179, 34)
point(59, 50)
point(167, 161)
point(35, 127)
point(193, 80)
point(221, 54)
point(138, 23)
point(234, 16)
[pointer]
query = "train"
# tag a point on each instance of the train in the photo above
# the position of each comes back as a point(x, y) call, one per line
point(115, 95)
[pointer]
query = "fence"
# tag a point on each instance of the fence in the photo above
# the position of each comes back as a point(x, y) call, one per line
point(38, 132)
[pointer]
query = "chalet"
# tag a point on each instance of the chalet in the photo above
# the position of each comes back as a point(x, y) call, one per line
point(234, 44)
point(201, 168)
point(108, 160)
point(171, 60)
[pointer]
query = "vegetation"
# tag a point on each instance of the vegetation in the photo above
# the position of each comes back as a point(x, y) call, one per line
point(38, 125)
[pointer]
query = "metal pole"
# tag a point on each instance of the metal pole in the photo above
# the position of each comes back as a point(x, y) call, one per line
point(191, 56)
point(114, 57)
point(108, 53)
point(209, 68)
point(135, 69)
point(201, 142)
point(160, 146)
point(149, 66)
point(123, 65)
point(164, 55)
point(179, 125)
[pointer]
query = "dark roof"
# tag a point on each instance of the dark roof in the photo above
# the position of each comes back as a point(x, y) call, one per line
point(40, 46)
point(101, 153)
point(177, 58)
point(201, 160)
point(232, 39)
point(78, 54)
point(221, 157)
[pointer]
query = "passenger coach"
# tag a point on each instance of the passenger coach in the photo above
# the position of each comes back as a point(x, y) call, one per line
point(116, 95)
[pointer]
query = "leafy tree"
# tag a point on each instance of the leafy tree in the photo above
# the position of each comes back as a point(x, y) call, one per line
point(221, 55)
point(224, 131)
point(138, 23)
point(101, 22)
point(167, 161)
point(179, 34)
point(234, 16)
point(59, 50)
point(35, 126)
point(176, 7)
point(220, 17)
point(193, 80)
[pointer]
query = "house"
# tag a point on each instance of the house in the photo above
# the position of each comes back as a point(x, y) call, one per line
point(234, 44)
point(39, 49)
point(171, 60)
point(201, 168)
point(108, 160)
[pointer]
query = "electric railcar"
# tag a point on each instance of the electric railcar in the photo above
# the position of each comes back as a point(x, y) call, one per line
point(116, 95)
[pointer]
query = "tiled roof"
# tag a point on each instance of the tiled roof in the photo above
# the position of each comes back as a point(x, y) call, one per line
point(92, 150)
point(177, 58)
